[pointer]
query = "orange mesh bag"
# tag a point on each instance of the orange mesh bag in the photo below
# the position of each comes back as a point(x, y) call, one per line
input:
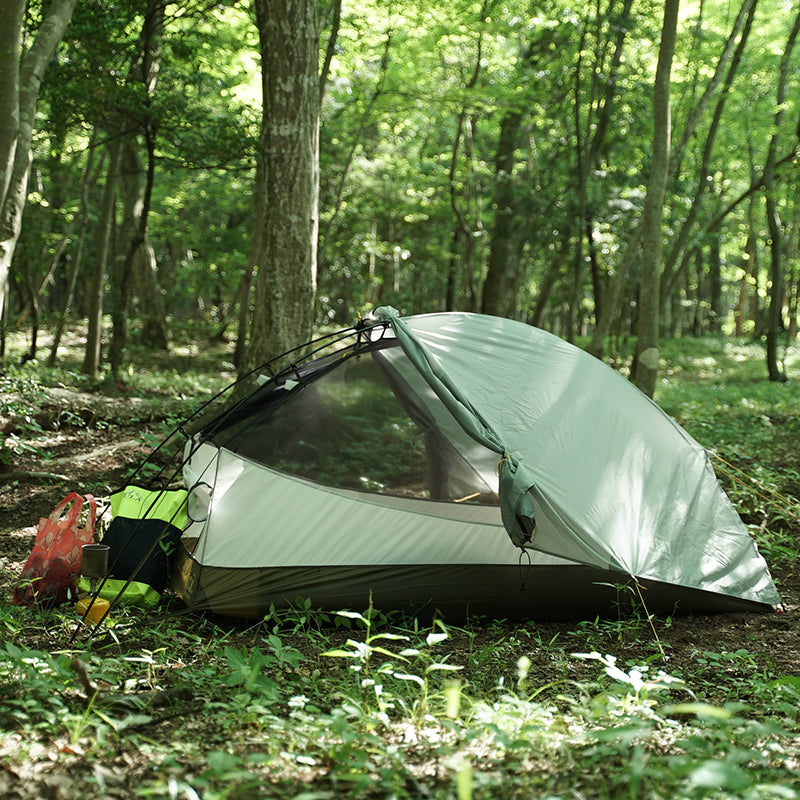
point(50, 575)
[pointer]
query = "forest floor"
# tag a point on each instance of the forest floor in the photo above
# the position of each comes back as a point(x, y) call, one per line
point(724, 652)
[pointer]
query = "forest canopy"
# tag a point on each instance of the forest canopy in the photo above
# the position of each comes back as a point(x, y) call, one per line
point(480, 155)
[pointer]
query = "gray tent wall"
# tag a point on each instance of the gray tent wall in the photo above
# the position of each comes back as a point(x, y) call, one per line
point(596, 484)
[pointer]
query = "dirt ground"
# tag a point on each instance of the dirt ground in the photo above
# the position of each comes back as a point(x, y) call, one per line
point(90, 459)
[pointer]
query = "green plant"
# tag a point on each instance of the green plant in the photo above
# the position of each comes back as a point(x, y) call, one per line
point(378, 684)
point(32, 684)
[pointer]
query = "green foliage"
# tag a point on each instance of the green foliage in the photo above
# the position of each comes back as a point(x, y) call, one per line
point(254, 710)
point(402, 679)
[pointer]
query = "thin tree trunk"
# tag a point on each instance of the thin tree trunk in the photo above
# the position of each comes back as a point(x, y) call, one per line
point(83, 215)
point(97, 277)
point(775, 309)
point(21, 76)
point(589, 150)
point(612, 310)
point(671, 273)
point(745, 16)
point(715, 287)
point(462, 239)
point(646, 363)
point(245, 288)
point(138, 192)
point(330, 50)
point(792, 252)
point(546, 286)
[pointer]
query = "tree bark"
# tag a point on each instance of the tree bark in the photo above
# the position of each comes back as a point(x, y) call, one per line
point(646, 363)
point(97, 276)
point(21, 73)
point(137, 189)
point(136, 185)
point(775, 309)
point(500, 284)
point(288, 186)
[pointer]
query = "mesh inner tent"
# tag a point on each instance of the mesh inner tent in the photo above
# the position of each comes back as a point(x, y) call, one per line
point(367, 421)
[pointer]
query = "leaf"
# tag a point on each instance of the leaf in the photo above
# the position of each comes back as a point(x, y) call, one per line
point(134, 720)
point(385, 652)
point(395, 637)
point(444, 667)
point(339, 653)
point(403, 676)
point(703, 710)
point(435, 638)
point(719, 774)
point(452, 692)
point(236, 659)
point(790, 682)
point(222, 762)
point(353, 615)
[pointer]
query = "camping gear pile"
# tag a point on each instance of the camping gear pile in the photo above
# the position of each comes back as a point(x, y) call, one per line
point(447, 463)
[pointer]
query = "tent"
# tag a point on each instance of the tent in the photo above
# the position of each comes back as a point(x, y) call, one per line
point(459, 464)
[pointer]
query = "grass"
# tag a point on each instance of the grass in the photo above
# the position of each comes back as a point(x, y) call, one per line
point(389, 713)
point(366, 704)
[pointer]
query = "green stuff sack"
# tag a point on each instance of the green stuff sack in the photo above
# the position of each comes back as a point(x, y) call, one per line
point(145, 529)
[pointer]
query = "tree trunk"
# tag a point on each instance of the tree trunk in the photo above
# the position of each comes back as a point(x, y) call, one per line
point(647, 344)
point(775, 309)
point(462, 239)
point(288, 186)
point(744, 305)
point(671, 273)
point(20, 79)
point(589, 149)
point(611, 311)
point(744, 18)
point(152, 309)
point(793, 291)
point(499, 287)
point(97, 277)
point(245, 289)
point(137, 191)
point(551, 275)
point(716, 311)
point(87, 184)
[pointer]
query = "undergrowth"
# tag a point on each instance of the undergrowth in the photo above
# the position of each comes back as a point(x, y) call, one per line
point(377, 709)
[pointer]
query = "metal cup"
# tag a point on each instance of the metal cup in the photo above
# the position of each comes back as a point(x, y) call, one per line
point(95, 560)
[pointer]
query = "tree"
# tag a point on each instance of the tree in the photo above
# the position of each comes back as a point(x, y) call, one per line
point(774, 222)
point(652, 236)
point(22, 67)
point(287, 191)
point(473, 151)
point(505, 270)
point(679, 253)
